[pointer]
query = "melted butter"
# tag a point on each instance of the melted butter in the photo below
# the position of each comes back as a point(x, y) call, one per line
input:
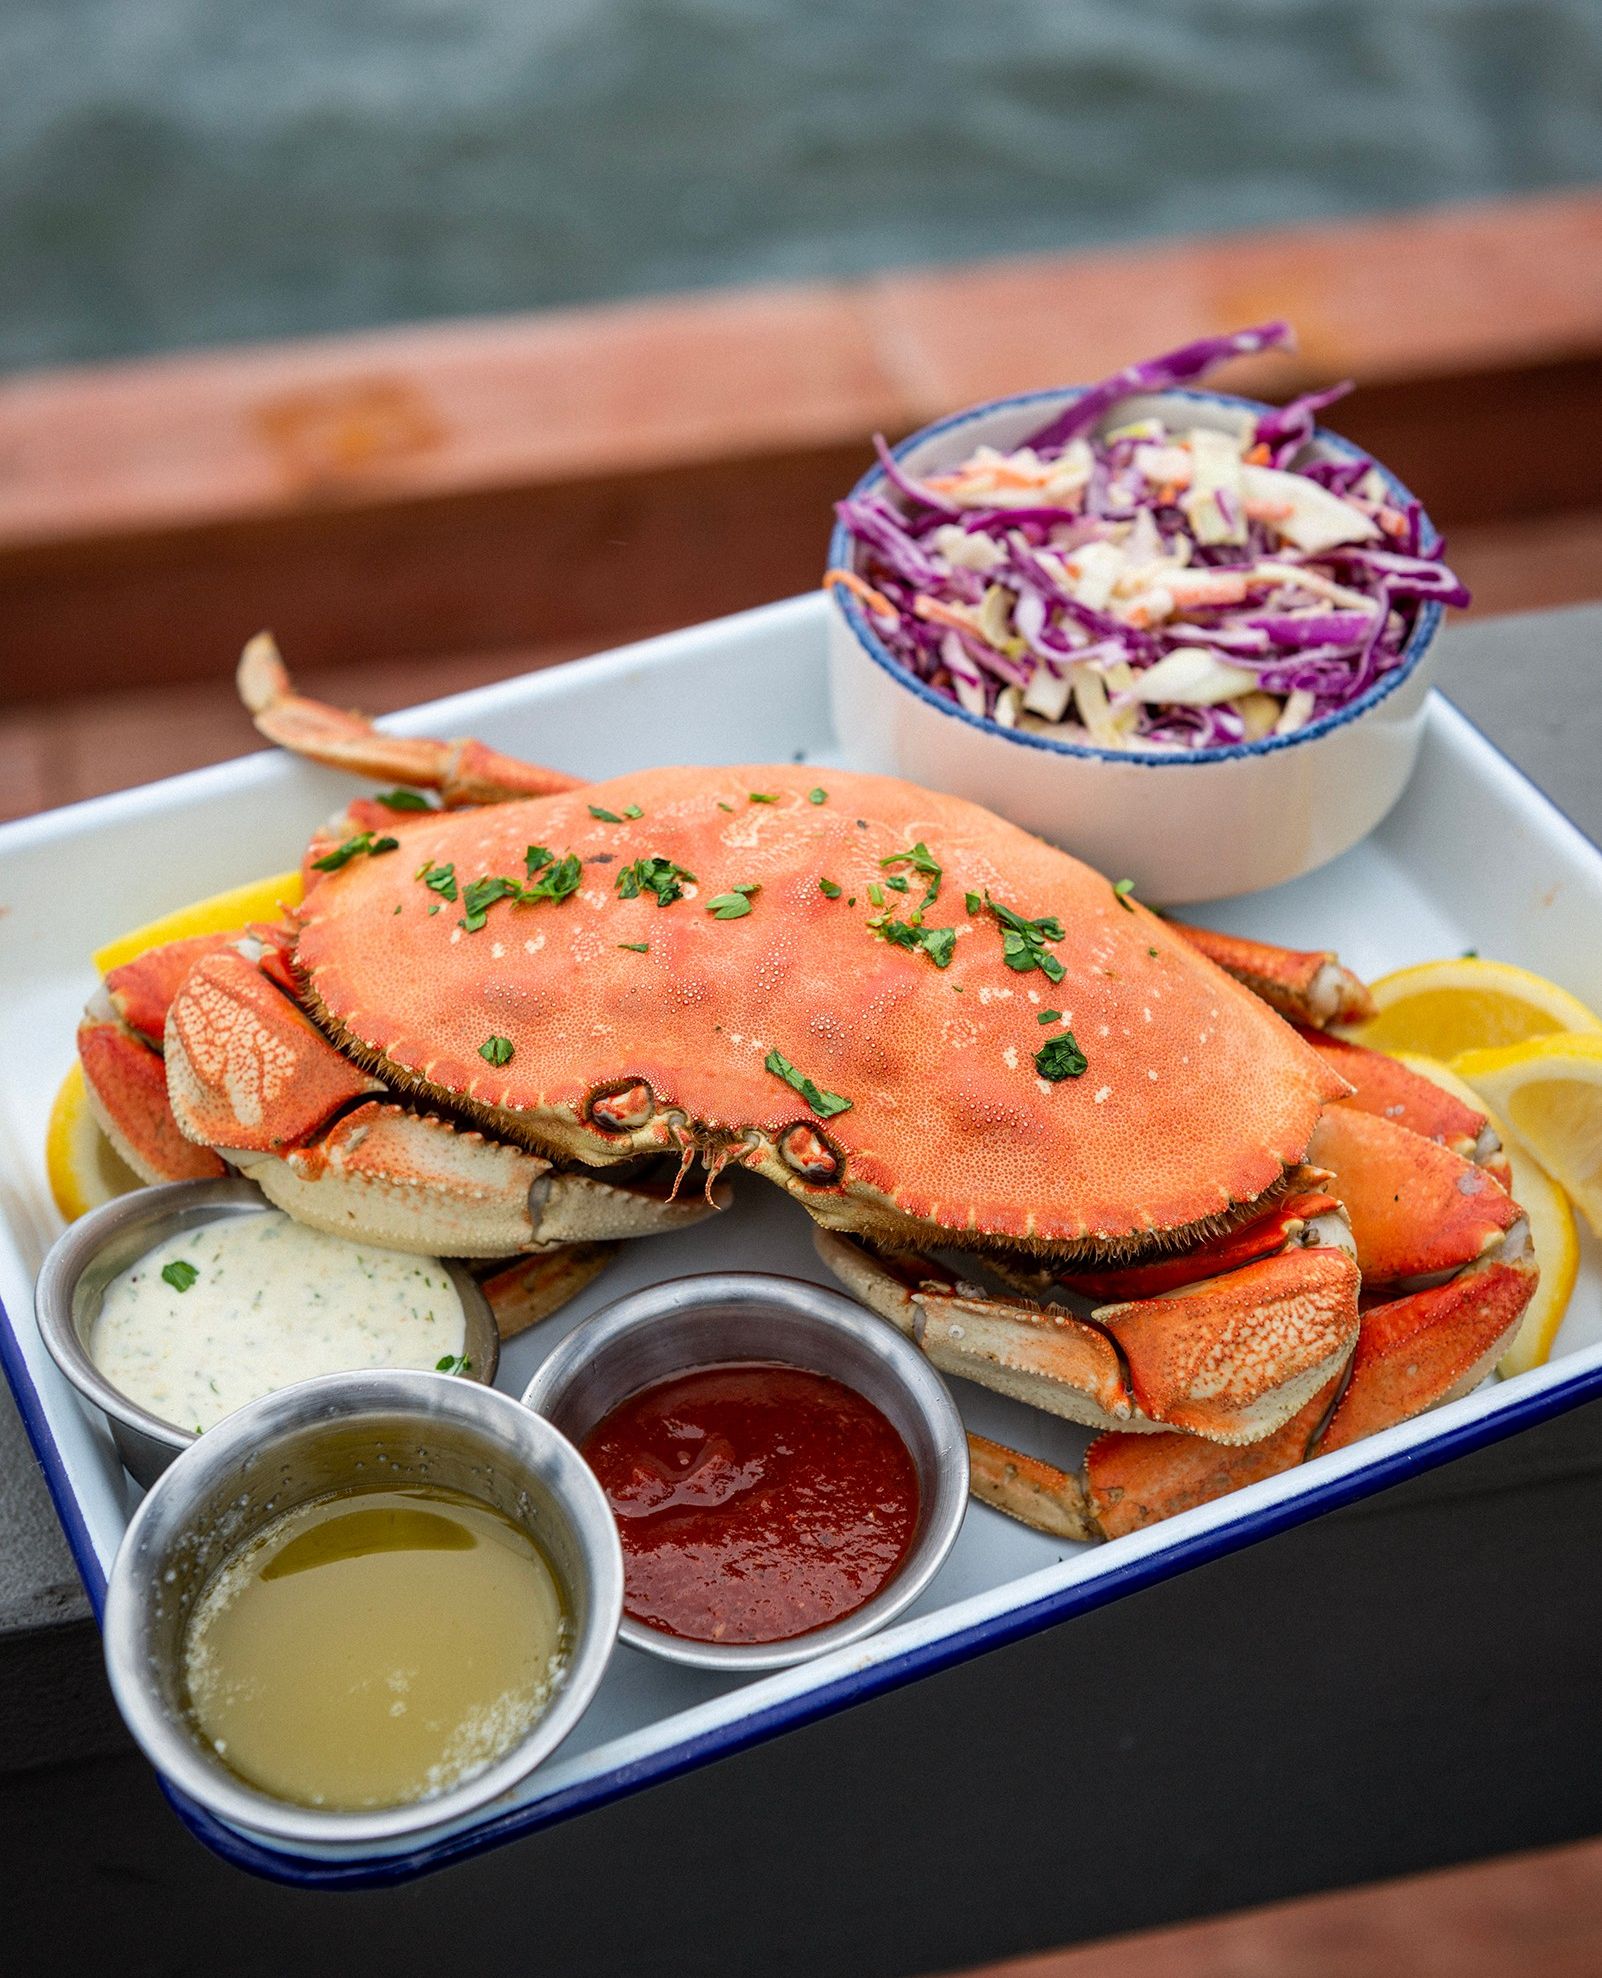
point(268, 1302)
point(374, 1648)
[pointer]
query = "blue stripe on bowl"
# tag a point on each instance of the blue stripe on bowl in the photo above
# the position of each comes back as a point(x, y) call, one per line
point(843, 551)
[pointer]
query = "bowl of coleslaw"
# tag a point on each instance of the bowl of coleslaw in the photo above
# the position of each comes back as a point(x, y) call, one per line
point(1185, 635)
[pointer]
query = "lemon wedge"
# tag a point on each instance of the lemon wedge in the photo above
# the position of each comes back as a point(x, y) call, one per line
point(259, 900)
point(82, 1166)
point(1549, 1090)
point(1553, 1234)
point(1442, 1008)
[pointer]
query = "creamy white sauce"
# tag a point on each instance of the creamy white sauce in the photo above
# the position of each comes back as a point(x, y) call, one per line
point(270, 1302)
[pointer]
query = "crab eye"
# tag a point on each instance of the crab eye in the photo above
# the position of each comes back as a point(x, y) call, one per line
point(624, 1108)
point(811, 1156)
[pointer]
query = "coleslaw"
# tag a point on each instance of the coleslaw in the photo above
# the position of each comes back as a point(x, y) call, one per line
point(1150, 584)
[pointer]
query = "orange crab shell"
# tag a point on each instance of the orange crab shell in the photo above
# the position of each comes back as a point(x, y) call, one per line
point(1196, 1097)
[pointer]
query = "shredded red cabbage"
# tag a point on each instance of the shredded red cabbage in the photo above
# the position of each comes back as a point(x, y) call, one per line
point(1282, 584)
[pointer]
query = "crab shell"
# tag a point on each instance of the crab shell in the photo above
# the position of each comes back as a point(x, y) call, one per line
point(1195, 1100)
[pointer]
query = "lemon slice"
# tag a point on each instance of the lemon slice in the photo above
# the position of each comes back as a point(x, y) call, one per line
point(1549, 1090)
point(1442, 1008)
point(1553, 1235)
point(259, 900)
point(83, 1167)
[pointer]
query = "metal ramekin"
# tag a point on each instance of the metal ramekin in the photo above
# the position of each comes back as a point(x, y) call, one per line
point(691, 1322)
point(95, 1249)
point(388, 1430)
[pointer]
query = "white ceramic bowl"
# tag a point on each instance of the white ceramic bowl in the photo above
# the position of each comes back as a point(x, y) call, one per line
point(1184, 826)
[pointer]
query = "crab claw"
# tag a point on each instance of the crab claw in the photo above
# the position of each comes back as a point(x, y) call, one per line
point(1412, 1354)
point(1229, 1359)
point(1416, 1352)
point(1035, 1353)
point(1310, 988)
point(247, 1070)
point(250, 1074)
point(1417, 1209)
point(464, 772)
point(1233, 1358)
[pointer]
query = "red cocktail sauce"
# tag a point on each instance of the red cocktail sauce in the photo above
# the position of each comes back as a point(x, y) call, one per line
point(754, 1502)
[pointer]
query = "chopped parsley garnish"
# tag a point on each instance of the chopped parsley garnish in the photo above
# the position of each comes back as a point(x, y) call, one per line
point(1122, 889)
point(454, 1363)
point(605, 816)
point(179, 1274)
point(403, 800)
point(479, 896)
point(733, 905)
point(724, 806)
point(925, 864)
point(1023, 941)
point(938, 943)
point(973, 902)
point(632, 810)
point(1048, 1016)
point(497, 1050)
point(896, 885)
point(824, 1104)
point(1060, 1057)
point(636, 947)
point(828, 889)
point(761, 797)
point(654, 875)
point(875, 895)
point(556, 882)
point(440, 879)
point(817, 796)
point(364, 841)
point(558, 878)
point(1151, 951)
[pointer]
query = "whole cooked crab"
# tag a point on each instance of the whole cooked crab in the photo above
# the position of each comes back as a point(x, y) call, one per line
point(511, 1025)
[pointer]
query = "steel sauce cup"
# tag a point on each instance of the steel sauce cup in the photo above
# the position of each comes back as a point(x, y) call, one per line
point(386, 1430)
point(691, 1322)
point(101, 1245)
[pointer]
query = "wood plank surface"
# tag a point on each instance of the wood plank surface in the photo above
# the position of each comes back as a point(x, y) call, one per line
point(567, 478)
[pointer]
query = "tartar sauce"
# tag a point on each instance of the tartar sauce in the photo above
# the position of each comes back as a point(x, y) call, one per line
point(216, 1316)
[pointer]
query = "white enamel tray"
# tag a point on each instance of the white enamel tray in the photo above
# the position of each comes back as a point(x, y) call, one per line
point(752, 689)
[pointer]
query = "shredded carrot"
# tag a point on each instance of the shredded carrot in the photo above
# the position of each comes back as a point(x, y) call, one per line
point(1267, 511)
point(1392, 521)
point(940, 614)
point(1257, 456)
point(876, 601)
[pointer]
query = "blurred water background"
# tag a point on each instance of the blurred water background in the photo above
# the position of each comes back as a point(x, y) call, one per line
point(194, 171)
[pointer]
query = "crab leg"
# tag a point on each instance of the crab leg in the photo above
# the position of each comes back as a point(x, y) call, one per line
point(250, 1075)
point(464, 772)
point(531, 1288)
point(1230, 1359)
point(127, 1086)
point(1310, 988)
point(1384, 1086)
point(1413, 1353)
